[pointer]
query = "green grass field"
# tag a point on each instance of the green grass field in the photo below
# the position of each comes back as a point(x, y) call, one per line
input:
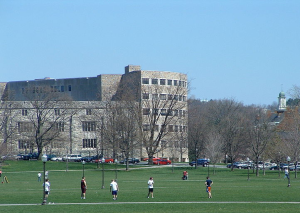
point(232, 192)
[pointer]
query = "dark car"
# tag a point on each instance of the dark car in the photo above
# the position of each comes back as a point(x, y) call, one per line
point(203, 162)
point(50, 156)
point(282, 166)
point(31, 156)
point(87, 159)
point(130, 160)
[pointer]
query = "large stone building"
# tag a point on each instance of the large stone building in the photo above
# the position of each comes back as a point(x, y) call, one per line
point(77, 109)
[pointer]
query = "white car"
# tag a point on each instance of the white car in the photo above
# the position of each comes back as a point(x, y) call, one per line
point(56, 159)
point(72, 157)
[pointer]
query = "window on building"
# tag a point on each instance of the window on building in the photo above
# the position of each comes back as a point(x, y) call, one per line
point(145, 95)
point(170, 128)
point(56, 89)
point(62, 88)
point(180, 113)
point(145, 80)
point(176, 97)
point(175, 83)
point(154, 96)
point(176, 128)
point(170, 112)
point(59, 126)
point(69, 88)
point(163, 112)
point(163, 97)
point(156, 128)
point(25, 127)
point(24, 112)
point(88, 126)
point(57, 111)
point(154, 81)
point(146, 111)
point(180, 97)
point(175, 112)
point(170, 97)
point(146, 127)
point(163, 144)
point(169, 82)
point(24, 144)
point(155, 111)
point(162, 81)
point(89, 143)
point(88, 111)
point(184, 98)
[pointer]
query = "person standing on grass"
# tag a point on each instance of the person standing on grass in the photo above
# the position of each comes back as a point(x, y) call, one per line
point(39, 177)
point(47, 188)
point(208, 184)
point(83, 188)
point(114, 188)
point(286, 173)
point(150, 187)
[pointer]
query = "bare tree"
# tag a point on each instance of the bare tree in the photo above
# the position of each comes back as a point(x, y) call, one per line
point(47, 111)
point(260, 133)
point(161, 110)
point(198, 128)
point(228, 119)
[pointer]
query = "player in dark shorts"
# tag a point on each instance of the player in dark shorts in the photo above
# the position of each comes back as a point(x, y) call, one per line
point(83, 188)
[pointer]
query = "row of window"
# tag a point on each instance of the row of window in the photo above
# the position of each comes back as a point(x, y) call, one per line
point(56, 112)
point(169, 82)
point(170, 128)
point(164, 97)
point(89, 143)
point(28, 127)
point(42, 89)
point(164, 112)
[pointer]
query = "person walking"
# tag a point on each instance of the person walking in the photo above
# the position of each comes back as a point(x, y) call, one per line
point(150, 187)
point(47, 189)
point(208, 184)
point(39, 177)
point(46, 174)
point(114, 188)
point(83, 188)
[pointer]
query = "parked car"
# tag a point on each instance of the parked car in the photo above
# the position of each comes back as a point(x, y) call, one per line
point(239, 165)
point(106, 160)
point(281, 166)
point(292, 167)
point(30, 156)
point(87, 159)
point(162, 162)
point(203, 162)
point(72, 157)
point(50, 156)
point(130, 160)
point(56, 158)
point(146, 159)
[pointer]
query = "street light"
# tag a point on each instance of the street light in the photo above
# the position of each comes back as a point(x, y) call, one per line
point(103, 161)
point(44, 159)
point(83, 162)
point(288, 160)
point(208, 160)
point(248, 166)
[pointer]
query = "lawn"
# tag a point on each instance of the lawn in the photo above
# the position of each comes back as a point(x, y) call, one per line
point(231, 191)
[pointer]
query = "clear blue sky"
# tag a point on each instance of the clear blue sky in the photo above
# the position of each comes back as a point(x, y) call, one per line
point(246, 50)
